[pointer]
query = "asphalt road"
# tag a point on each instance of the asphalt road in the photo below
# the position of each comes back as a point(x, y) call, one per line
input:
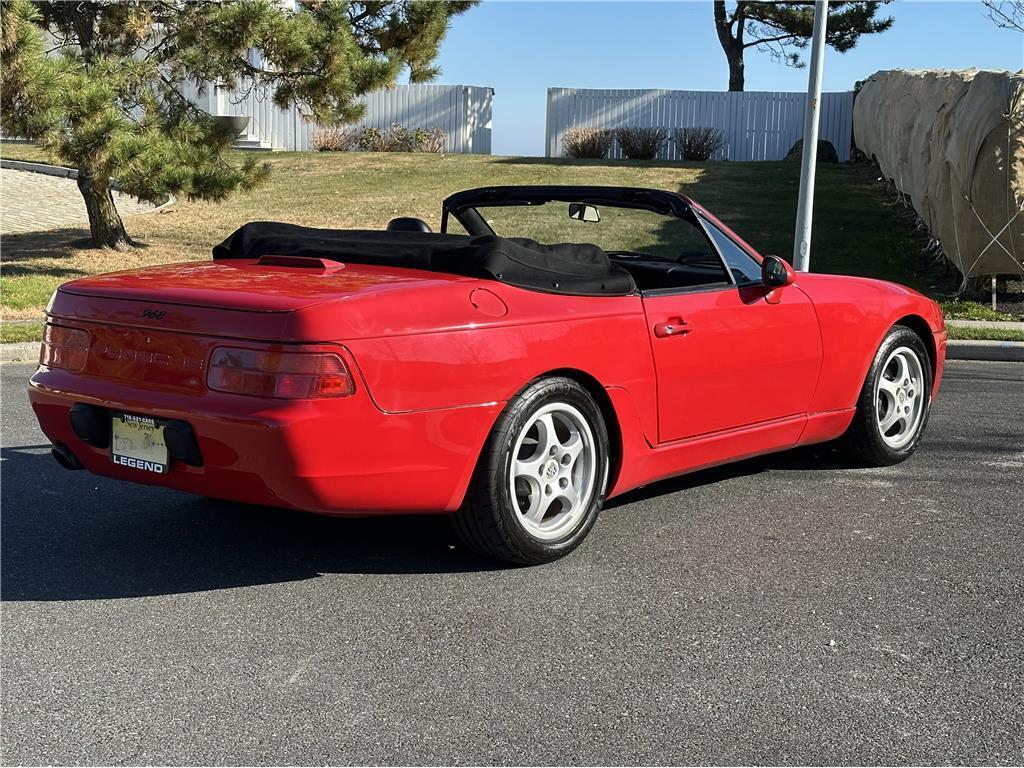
point(784, 610)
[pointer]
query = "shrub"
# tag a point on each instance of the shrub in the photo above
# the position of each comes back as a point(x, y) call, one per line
point(335, 139)
point(641, 143)
point(431, 140)
point(587, 142)
point(371, 140)
point(699, 143)
point(400, 139)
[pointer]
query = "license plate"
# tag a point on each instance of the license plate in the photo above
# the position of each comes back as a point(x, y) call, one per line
point(138, 442)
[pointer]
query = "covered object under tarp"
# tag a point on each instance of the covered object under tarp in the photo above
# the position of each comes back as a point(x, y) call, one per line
point(954, 143)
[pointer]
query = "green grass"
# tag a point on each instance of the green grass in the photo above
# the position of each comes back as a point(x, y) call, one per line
point(857, 229)
point(16, 151)
point(14, 332)
point(981, 334)
point(972, 310)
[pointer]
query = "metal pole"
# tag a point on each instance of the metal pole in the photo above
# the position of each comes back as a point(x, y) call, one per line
point(812, 113)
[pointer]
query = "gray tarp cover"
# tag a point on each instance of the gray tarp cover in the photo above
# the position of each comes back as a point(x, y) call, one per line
point(953, 142)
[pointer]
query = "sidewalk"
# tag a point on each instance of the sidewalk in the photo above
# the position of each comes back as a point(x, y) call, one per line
point(1009, 325)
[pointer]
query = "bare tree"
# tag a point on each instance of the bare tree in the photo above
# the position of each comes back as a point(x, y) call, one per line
point(1008, 14)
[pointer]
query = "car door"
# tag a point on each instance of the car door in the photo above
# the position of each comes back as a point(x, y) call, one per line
point(731, 354)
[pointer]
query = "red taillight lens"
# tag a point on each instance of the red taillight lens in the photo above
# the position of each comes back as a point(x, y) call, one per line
point(64, 348)
point(279, 374)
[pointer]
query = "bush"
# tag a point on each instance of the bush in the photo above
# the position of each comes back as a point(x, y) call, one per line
point(699, 143)
point(641, 143)
point(335, 139)
point(400, 139)
point(371, 140)
point(432, 140)
point(587, 142)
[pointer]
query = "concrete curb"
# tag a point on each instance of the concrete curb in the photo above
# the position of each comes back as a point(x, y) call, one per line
point(70, 173)
point(997, 351)
point(19, 352)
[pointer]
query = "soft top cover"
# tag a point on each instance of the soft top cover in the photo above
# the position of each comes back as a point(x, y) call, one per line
point(566, 268)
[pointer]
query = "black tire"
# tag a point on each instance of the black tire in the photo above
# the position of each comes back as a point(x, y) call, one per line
point(487, 522)
point(863, 442)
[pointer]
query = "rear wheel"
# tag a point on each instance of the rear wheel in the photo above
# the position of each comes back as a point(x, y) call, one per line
point(894, 403)
point(540, 481)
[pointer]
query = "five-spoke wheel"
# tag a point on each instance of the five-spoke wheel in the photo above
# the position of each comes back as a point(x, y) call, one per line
point(539, 484)
point(899, 397)
point(893, 407)
point(553, 470)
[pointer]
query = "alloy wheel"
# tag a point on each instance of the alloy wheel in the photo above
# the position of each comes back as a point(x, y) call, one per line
point(552, 478)
point(900, 398)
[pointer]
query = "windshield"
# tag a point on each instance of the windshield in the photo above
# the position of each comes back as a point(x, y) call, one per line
point(618, 231)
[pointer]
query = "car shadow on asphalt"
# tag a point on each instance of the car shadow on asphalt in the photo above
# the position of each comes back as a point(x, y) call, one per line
point(814, 457)
point(74, 536)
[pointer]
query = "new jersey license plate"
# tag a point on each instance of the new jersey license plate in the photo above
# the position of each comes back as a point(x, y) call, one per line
point(138, 442)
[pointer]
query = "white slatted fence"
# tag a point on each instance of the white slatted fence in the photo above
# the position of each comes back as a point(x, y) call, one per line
point(756, 125)
point(463, 112)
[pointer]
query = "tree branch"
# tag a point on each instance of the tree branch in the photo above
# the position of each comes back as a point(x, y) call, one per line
point(766, 40)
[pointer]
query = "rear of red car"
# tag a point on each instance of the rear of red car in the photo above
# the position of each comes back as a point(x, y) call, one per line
point(217, 380)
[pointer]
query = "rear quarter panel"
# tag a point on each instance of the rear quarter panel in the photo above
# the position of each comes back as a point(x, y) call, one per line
point(483, 359)
point(854, 315)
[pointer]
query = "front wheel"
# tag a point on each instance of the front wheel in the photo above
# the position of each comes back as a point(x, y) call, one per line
point(539, 484)
point(894, 403)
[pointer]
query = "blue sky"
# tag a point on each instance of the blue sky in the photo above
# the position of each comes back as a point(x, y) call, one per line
point(522, 48)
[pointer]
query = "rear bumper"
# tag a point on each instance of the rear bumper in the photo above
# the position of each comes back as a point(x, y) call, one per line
point(330, 456)
point(941, 342)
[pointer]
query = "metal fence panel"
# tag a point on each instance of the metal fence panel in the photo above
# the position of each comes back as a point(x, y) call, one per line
point(756, 125)
point(463, 112)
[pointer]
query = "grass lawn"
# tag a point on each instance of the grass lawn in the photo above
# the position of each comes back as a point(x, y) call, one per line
point(18, 151)
point(858, 230)
point(980, 334)
point(972, 310)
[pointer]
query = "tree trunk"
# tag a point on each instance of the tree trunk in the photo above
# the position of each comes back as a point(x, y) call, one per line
point(105, 223)
point(732, 42)
point(735, 58)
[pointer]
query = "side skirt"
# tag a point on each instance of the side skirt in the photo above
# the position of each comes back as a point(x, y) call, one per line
point(643, 463)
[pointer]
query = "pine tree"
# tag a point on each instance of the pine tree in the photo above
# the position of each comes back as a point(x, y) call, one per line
point(781, 27)
point(107, 98)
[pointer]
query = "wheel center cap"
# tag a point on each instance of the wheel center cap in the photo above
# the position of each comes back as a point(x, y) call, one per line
point(551, 469)
point(901, 395)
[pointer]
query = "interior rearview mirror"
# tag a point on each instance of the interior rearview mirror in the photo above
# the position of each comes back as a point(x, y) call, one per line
point(775, 272)
point(584, 212)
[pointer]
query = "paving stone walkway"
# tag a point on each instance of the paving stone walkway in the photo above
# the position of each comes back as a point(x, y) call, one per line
point(34, 202)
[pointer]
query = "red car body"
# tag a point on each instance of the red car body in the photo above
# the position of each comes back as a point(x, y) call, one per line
point(435, 357)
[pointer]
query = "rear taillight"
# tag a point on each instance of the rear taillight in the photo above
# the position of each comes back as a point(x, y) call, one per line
point(279, 374)
point(66, 348)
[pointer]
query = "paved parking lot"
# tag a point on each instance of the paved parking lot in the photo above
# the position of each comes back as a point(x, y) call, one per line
point(33, 202)
point(783, 610)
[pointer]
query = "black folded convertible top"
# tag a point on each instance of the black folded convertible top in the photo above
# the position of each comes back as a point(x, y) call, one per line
point(568, 268)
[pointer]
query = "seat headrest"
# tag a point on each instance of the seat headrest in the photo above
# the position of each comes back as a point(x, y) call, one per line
point(408, 224)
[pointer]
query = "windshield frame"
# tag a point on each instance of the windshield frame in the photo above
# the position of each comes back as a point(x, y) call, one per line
point(463, 205)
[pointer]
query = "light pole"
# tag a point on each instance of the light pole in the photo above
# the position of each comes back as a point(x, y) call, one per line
point(812, 112)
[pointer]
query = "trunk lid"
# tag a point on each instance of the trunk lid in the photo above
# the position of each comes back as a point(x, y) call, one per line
point(248, 285)
point(239, 298)
point(157, 326)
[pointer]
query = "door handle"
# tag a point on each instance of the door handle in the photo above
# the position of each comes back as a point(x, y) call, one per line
point(674, 327)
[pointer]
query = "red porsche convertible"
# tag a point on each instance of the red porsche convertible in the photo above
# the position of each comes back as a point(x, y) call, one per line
point(549, 348)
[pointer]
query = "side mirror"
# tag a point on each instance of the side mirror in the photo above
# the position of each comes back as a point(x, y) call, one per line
point(584, 212)
point(776, 273)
